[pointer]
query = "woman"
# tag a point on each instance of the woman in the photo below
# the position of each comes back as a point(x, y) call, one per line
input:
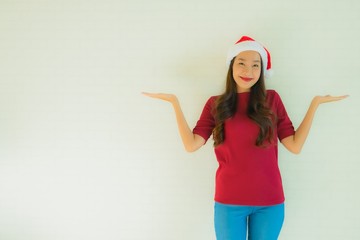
point(246, 122)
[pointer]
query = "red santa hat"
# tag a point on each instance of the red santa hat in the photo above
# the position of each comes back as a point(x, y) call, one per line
point(245, 44)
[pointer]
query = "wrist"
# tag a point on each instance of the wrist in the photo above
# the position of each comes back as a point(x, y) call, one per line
point(316, 101)
point(174, 100)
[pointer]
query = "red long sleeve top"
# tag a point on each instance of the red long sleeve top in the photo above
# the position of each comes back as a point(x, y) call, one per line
point(247, 174)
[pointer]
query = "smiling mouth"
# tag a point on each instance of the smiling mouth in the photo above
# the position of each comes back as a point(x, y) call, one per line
point(246, 79)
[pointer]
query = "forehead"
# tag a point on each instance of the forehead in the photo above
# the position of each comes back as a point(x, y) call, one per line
point(249, 56)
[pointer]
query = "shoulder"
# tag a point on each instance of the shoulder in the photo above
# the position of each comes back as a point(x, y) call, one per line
point(272, 95)
point(210, 103)
point(273, 99)
point(212, 100)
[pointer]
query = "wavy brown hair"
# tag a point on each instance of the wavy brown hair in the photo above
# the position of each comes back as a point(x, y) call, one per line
point(258, 110)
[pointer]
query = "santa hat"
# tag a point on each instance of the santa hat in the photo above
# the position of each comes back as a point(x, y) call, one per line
point(245, 44)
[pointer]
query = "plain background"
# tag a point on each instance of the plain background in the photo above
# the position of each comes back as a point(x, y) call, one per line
point(83, 155)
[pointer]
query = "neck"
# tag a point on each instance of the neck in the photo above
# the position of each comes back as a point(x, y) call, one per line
point(243, 91)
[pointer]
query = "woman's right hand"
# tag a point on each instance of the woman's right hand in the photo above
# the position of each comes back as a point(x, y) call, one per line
point(191, 141)
point(163, 96)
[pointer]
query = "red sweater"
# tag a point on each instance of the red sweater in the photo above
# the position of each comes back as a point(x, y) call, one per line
point(247, 174)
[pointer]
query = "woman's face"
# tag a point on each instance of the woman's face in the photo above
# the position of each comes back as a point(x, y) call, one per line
point(246, 70)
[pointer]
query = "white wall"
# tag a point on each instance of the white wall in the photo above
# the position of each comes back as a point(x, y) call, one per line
point(83, 155)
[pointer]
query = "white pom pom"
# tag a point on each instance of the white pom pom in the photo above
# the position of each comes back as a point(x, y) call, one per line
point(268, 73)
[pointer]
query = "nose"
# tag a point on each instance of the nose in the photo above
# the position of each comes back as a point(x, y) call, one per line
point(247, 71)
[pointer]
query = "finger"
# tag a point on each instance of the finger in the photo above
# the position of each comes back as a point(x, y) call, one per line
point(146, 93)
point(150, 94)
point(340, 97)
point(160, 96)
point(329, 98)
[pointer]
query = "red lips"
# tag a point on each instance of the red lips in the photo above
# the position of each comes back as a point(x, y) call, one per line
point(246, 79)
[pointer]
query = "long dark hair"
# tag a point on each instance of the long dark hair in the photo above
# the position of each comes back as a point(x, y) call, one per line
point(258, 110)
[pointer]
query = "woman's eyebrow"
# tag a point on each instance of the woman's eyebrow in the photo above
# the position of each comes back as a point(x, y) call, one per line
point(243, 59)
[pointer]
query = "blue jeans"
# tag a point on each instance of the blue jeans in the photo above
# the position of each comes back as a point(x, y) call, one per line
point(234, 222)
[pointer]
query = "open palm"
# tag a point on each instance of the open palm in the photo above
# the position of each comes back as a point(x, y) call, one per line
point(163, 96)
point(329, 98)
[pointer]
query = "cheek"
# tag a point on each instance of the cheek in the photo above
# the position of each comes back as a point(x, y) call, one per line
point(237, 71)
point(234, 75)
point(257, 73)
point(234, 72)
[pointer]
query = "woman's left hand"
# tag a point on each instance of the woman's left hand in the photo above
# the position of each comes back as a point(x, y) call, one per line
point(329, 98)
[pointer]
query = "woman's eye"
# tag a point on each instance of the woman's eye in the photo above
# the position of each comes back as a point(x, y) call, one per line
point(256, 65)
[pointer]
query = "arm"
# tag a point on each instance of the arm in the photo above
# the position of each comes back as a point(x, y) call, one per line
point(192, 142)
point(295, 142)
